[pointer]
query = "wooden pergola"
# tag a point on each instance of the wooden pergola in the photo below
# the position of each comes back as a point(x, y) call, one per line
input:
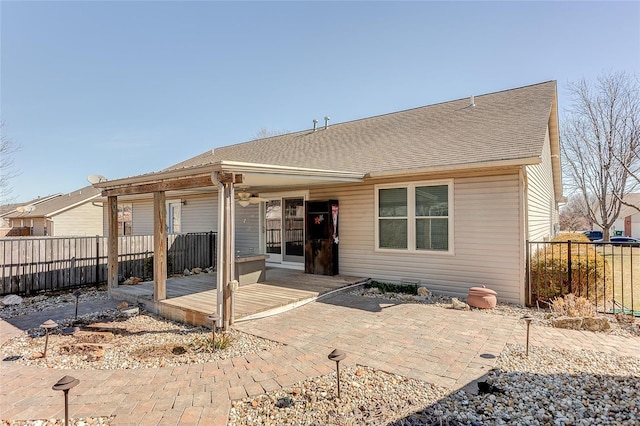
point(222, 175)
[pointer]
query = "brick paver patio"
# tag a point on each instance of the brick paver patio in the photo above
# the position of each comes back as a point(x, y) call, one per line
point(442, 346)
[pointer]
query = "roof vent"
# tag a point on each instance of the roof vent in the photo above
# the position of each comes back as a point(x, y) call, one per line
point(315, 123)
point(326, 121)
point(472, 102)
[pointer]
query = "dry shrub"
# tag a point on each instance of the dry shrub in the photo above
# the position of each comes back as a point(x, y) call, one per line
point(572, 306)
point(591, 273)
point(573, 236)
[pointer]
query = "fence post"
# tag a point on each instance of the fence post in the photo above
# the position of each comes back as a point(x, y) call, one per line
point(569, 270)
point(211, 251)
point(97, 259)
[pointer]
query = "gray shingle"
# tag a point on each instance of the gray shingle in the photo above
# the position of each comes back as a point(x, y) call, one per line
point(507, 125)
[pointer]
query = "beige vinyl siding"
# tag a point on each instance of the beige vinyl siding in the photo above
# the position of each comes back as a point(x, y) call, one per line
point(541, 204)
point(82, 220)
point(248, 228)
point(200, 214)
point(141, 217)
point(486, 241)
point(37, 226)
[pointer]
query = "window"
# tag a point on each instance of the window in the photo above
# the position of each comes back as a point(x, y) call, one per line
point(174, 216)
point(125, 218)
point(414, 217)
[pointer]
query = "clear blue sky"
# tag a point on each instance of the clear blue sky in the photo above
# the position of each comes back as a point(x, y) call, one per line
point(124, 88)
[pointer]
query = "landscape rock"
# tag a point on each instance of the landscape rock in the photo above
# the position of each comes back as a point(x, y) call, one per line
point(83, 336)
point(595, 324)
point(132, 281)
point(93, 351)
point(131, 312)
point(423, 291)
point(459, 305)
point(196, 270)
point(568, 323)
point(122, 305)
point(373, 290)
point(187, 272)
point(11, 299)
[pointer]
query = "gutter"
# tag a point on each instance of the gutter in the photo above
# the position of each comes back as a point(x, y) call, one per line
point(467, 166)
point(231, 166)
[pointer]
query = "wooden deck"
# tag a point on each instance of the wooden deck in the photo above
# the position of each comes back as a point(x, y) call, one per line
point(190, 299)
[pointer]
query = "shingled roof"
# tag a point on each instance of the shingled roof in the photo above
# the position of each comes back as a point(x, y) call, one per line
point(506, 125)
point(57, 204)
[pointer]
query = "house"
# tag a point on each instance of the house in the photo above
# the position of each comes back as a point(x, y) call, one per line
point(74, 214)
point(445, 194)
point(628, 221)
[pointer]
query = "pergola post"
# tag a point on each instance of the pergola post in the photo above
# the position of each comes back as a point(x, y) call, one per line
point(226, 239)
point(159, 246)
point(112, 243)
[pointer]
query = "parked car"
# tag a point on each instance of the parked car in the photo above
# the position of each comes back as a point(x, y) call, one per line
point(622, 241)
point(593, 235)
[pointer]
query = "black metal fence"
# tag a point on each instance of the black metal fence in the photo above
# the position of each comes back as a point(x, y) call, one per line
point(607, 274)
point(36, 264)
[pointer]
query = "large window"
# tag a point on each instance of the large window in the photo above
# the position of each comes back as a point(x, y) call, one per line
point(414, 217)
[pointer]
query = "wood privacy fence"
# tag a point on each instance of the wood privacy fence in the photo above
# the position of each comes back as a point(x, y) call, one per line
point(35, 264)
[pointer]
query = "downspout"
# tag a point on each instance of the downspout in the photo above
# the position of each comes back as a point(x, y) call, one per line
point(232, 248)
point(524, 221)
point(220, 249)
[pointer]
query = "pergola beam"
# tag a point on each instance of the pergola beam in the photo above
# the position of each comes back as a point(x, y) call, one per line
point(162, 186)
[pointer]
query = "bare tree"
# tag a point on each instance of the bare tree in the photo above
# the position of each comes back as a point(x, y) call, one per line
point(574, 215)
point(600, 143)
point(7, 170)
point(634, 175)
point(266, 133)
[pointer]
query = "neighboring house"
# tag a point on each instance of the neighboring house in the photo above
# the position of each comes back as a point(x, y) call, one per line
point(445, 194)
point(629, 218)
point(77, 213)
point(12, 209)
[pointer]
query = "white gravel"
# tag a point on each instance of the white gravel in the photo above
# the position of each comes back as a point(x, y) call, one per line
point(549, 387)
point(143, 341)
point(41, 302)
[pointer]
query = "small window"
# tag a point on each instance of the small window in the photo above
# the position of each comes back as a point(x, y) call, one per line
point(174, 217)
point(414, 217)
point(125, 219)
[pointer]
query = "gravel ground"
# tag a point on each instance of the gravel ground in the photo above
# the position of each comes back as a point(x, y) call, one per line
point(43, 302)
point(119, 342)
point(621, 325)
point(548, 387)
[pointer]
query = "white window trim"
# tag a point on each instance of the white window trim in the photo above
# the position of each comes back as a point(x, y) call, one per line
point(411, 217)
point(177, 202)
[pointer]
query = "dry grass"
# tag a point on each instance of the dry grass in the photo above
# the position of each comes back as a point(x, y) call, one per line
point(625, 263)
point(573, 306)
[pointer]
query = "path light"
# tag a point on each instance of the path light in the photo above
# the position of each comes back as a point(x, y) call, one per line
point(528, 319)
point(64, 384)
point(337, 355)
point(47, 325)
point(77, 294)
point(214, 318)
